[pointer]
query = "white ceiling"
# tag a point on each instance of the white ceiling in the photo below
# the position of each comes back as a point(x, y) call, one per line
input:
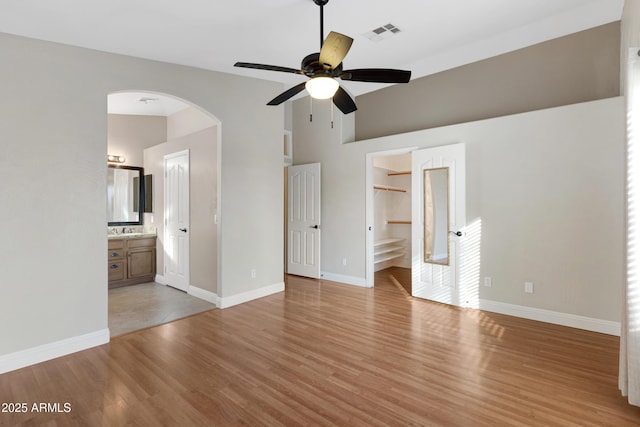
point(213, 34)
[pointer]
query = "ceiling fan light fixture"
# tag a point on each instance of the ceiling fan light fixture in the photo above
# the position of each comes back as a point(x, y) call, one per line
point(322, 87)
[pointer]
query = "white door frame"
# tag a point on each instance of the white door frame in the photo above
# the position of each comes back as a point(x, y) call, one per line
point(369, 207)
point(186, 266)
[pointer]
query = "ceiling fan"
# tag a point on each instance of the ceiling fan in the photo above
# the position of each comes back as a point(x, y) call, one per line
point(325, 66)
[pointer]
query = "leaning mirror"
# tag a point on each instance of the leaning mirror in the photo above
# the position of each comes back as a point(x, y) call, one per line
point(125, 195)
point(436, 215)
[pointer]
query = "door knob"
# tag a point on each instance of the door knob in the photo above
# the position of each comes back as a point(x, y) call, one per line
point(457, 233)
point(314, 226)
point(184, 230)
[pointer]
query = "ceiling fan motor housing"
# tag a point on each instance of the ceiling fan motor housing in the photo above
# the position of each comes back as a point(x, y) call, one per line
point(313, 68)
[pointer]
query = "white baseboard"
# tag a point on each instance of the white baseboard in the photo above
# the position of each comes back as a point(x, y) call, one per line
point(230, 301)
point(42, 353)
point(203, 294)
point(572, 320)
point(349, 280)
point(160, 279)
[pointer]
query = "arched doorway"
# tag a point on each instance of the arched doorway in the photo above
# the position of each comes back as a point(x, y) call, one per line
point(144, 128)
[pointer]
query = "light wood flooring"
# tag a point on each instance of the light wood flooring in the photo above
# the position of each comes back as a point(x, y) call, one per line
point(399, 276)
point(136, 307)
point(322, 354)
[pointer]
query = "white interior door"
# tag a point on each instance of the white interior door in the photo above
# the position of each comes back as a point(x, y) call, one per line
point(176, 217)
point(437, 279)
point(304, 220)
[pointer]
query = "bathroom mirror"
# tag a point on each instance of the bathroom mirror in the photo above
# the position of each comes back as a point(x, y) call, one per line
point(436, 215)
point(125, 195)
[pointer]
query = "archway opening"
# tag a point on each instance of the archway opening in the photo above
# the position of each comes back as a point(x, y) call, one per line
point(144, 128)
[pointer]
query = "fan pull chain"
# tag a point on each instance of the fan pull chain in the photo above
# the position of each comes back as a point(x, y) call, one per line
point(310, 108)
point(331, 113)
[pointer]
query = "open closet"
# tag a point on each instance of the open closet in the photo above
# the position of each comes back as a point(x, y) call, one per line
point(392, 216)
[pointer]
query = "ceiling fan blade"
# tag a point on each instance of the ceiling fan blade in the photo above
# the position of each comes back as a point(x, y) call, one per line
point(377, 75)
point(344, 102)
point(267, 67)
point(287, 94)
point(335, 48)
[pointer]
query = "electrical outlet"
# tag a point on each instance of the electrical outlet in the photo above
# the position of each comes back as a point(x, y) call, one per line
point(344, 261)
point(253, 273)
point(487, 282)
point(528, 287)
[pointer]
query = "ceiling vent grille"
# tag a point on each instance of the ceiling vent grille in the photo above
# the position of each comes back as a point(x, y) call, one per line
point(382, 33)
point(146, 100)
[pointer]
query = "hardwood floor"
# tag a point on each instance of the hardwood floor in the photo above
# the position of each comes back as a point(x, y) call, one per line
point(399, 276)
point(322, 353)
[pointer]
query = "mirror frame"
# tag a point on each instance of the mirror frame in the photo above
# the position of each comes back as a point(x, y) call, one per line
point(141, 198)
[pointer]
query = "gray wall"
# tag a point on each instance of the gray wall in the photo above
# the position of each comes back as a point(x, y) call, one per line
point(187, 121)
point(53, 170)
point(546, 186)
point(576, 68)
point(129, 135)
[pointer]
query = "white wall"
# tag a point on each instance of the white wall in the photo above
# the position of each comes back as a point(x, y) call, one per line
point(546, 186)
point(53, 170)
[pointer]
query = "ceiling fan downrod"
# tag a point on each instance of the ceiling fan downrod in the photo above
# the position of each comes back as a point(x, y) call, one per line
point(321, 3)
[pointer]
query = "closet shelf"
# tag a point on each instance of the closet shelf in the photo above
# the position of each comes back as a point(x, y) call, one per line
point(398, 222)
point(387, 241)
point(388, 257)
point(389, 188)
point(399, 173)
point(387, 249)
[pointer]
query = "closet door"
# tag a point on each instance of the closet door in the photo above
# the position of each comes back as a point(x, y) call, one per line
point(438, 216)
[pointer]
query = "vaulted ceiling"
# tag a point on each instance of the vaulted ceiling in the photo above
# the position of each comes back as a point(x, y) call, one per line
point(213, 34)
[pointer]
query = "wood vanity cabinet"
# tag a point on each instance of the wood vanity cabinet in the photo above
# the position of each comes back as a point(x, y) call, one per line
point(131, 260)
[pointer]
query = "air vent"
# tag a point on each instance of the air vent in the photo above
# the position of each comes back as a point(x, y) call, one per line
point(146, 100)
point(382, 33)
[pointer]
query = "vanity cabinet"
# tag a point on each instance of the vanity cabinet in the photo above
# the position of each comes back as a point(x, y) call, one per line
point(131, 260)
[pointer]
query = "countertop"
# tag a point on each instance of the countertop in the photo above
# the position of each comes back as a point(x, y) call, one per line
point(130, 235)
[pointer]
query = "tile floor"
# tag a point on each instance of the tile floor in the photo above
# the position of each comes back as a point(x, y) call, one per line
point(136, 307)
